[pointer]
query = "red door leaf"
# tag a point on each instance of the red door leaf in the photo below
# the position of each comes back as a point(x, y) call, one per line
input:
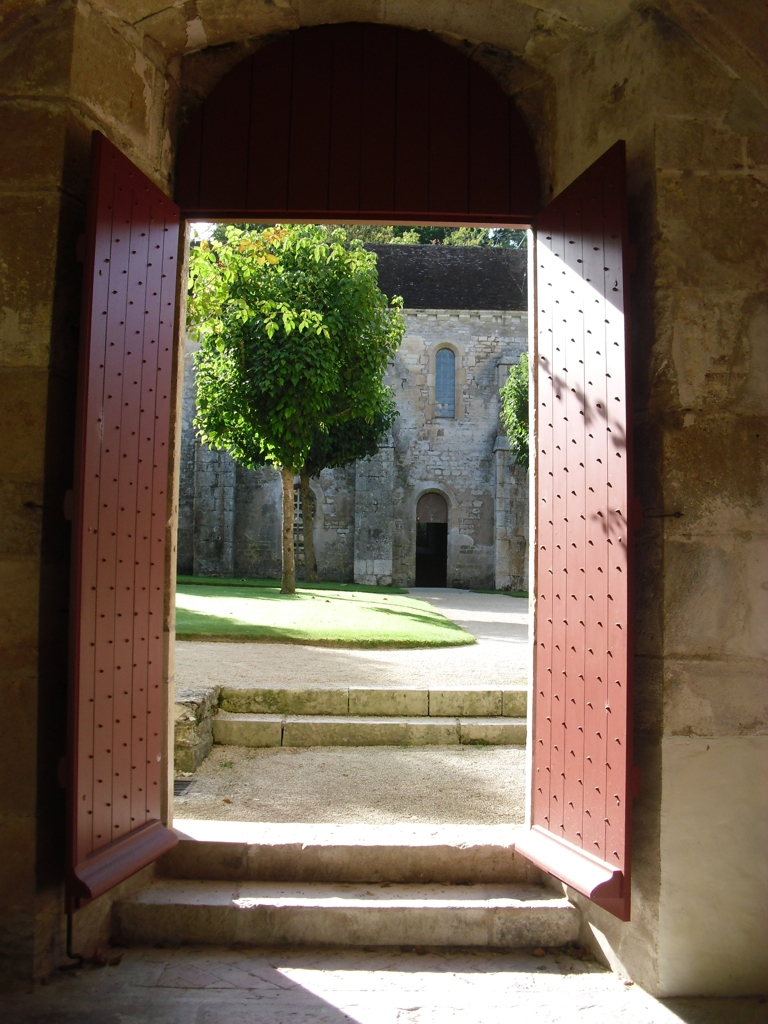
point(117, 696)
point(581, 735)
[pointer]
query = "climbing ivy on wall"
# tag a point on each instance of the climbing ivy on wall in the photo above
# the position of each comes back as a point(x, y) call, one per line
point(514, 410)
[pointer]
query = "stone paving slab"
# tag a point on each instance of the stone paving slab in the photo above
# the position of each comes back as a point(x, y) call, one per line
point(354, 986)
point(236, 851)
point(337, 914)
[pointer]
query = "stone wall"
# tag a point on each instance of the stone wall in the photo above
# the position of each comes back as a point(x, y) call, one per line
point(365, 526)
point(696, 140)
point(65, 69)
point(452, 456)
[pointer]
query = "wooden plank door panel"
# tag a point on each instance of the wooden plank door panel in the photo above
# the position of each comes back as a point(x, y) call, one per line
point(581, 736)
point(359, 121)
point(117, 694)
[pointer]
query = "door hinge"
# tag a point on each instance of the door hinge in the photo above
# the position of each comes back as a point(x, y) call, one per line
point(62, 772)
point(68, 505)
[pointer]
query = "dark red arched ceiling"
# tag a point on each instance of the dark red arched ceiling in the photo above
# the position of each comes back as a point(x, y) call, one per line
point(359, 122)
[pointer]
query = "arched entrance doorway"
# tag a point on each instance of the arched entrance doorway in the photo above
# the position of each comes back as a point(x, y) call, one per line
point(432, 541)
point(359, 122)
point(385, 125)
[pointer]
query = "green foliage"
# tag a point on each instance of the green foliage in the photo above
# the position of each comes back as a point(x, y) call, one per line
point(514, 410)
point(509, 238)
point(350, 440)
point(380, 234)
point(294, 335)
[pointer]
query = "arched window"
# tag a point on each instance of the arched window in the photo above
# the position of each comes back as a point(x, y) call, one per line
point(445, 383)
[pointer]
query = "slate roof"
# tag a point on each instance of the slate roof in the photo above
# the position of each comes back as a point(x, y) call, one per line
point(453, 276)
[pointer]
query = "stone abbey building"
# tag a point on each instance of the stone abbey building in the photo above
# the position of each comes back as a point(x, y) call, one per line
point(442, 503)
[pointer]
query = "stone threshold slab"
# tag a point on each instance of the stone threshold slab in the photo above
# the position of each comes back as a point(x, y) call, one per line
point(341, 914)
point(322, 834)
point(455, 854)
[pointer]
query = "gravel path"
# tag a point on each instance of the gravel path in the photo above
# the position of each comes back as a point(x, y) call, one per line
point(499, 658)
point(363, 785)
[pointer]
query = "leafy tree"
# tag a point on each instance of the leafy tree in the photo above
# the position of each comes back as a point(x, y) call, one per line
point(381, 234)
point(295, 335)
point(509, 238)
point(336, 446)
point(514, 410)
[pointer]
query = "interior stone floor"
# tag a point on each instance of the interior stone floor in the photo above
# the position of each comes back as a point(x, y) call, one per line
point(357, 986)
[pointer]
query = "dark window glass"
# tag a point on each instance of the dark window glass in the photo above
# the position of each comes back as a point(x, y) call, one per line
point(445, 383)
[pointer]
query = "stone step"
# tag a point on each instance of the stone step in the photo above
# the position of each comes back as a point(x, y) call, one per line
point(510, 702)
point(264, 730)
point(319, 914)
point(287, 852)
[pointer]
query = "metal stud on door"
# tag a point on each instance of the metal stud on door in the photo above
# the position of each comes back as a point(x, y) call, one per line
point(117, 698)
point(581, 758)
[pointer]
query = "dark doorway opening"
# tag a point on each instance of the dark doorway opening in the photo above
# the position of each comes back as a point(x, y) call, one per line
point(431, 554)
point(432, 541)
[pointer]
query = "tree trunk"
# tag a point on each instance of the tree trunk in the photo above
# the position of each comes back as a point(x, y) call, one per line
point(288, 585)
point(308, 517)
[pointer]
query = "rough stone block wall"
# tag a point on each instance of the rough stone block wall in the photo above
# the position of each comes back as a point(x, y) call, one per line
point(374, 511)
point(256, 538)
point(214, 513)
point(334, 492)
point(64, 70)
point(365, 520)
point(454, 456)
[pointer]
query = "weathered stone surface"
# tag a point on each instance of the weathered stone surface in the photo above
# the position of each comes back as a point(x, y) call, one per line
point(497, 731)
point(194, 711)
point(316, 914)
point(368, 731)
point(242, 851)
point(248, 730)
point(468, 703)
point(285, 702)
point(368, 700)
point(374, 518)
point(514, 703)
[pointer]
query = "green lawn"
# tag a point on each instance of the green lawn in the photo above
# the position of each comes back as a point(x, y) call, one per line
point(508, 593)
point(328, 614)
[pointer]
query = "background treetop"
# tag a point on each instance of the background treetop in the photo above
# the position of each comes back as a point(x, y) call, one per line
point(389, 234)
point(295, 335)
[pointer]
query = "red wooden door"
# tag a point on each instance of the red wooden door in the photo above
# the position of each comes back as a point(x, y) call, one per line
point(581, 735)
point(359, 122)
point(118, 718)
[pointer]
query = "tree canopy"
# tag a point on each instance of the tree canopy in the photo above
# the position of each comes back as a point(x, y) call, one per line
point(399, 234)
point(514, 410)
point(295, 336)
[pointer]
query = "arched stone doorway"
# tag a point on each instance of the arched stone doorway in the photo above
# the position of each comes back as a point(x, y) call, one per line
point(463, 108)
point(432, 540)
